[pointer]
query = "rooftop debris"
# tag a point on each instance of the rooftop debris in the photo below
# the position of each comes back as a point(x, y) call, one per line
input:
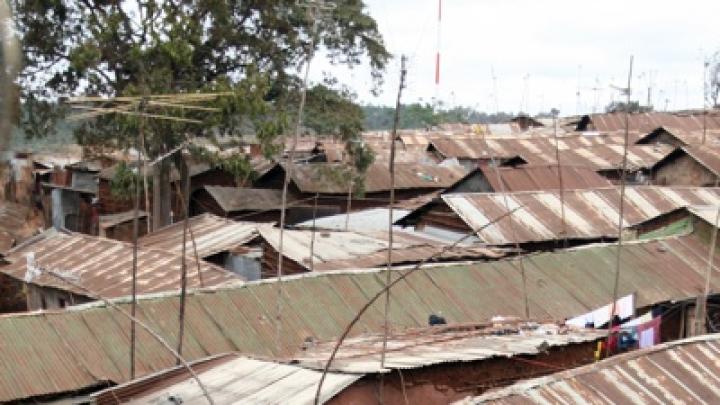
point(423, 347)
point(83, 346)
point(684, 371)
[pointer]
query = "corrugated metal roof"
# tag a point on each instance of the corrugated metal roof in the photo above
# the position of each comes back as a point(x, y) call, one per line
point(706, 156)
point(110, 220)
point(687, 136)
point(233, 199)
point(235, 380)
point(212, 235)
point(436, 345)
point(588, 213)
point(539, 178)
point(68, 350)
point(333, 179)
point(647, 122)
point(602, 152)
point(104, 266)
point(334, 250)
point(374, 219)
point(329, 245)
point(707, 213)
point(684, 371)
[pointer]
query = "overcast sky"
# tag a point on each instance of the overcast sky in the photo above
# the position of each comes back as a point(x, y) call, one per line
point(542, 52)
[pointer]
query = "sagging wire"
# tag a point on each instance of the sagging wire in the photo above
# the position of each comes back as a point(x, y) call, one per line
point(134, 320)
point(382, 291)
point(313, 8)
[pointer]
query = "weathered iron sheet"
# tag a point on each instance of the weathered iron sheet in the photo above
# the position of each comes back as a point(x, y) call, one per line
point(429, 346)
point(647, 122)
point(596, 152)
point(540, 178)
point(233, 380)
point(104, 266)
point(588, 214)
point(234, 199)
point(684, 371)
point(318, 306)
point(333, 179)
point(212, 235)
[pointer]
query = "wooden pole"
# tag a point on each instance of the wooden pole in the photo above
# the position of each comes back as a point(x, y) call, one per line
point(621, 211)
point(388, 271)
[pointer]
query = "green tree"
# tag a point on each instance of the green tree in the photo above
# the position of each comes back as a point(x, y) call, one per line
point(621, 106)
point(124, 47)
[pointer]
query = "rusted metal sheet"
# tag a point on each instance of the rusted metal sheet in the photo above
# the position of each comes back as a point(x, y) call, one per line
point(334, 250)
point(684, 371)
point(333, 179)
point(233, 199)
point(104, 266)
point(589, 214)
point(538, 178)
point(434, 345)
point(231, 379)
point(601, 152)
point(243, 319)
point(212, 235)
point(708, 156)
point(647, 122)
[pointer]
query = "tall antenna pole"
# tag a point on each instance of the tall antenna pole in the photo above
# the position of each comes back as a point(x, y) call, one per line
point(388, 271)
point(437, 54)
point(314, 7)
point(621, 211)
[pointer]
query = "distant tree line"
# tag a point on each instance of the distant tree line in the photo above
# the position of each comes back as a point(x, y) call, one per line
point(424, 115)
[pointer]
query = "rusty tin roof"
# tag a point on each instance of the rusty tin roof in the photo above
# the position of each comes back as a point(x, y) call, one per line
point(62, 351)
point(435, 345)
point(589, 214)
point(104, 266)
point(684, 371)
point(212, 235)
point(328, 178)
point(540, 178)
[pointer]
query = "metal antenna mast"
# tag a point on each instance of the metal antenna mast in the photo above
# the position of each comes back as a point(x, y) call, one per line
point(314, 8)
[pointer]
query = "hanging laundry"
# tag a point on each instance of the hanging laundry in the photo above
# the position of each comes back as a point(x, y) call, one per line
point(624, 308)
point(649, 333)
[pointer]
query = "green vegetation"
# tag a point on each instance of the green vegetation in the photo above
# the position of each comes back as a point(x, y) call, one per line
point(419, 115)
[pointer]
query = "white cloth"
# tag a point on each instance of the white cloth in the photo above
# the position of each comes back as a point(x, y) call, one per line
point(624, 308)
